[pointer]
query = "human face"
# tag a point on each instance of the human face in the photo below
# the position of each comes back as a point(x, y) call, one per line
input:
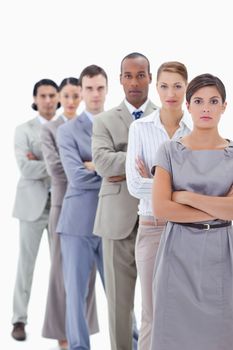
point(46, 101)
point(135, 80)
point(70, 98)
point(171, 88)
point(206, 107)
point(94, 92)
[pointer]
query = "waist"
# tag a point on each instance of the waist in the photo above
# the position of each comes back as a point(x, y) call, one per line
point(205, 227)
point(150, 221)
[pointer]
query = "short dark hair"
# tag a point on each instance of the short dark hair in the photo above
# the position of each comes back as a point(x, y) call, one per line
point(203, 80)
point(68, 81)
point(91, 71)
point(133, 55)
point(43, 82)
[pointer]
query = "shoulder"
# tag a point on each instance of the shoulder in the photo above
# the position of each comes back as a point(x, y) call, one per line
point(104, 116)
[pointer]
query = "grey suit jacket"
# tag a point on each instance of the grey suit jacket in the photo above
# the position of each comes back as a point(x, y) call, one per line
point(33, 186)
point(52, 160)
point(81, 198)
point(117, 210)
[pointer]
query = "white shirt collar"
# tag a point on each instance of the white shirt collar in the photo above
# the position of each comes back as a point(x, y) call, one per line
point(131, 108)
point(43, 120)
point(155, 118)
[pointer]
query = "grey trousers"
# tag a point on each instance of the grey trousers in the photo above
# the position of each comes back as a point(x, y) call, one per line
point(29, 242)
point(55, 314)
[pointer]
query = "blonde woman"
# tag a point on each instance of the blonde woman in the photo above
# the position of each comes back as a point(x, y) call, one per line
point(145, 137)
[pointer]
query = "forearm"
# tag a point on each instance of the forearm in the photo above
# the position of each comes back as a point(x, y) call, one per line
point(139, 187)
point(109, 163)
point(169, 210)
point(219, 207)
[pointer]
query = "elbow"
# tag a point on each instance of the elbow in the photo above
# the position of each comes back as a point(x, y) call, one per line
point(159, 210)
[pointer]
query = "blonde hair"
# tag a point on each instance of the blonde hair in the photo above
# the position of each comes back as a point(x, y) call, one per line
point(173, 67)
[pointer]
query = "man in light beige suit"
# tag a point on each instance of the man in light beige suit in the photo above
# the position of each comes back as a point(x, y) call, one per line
point(116, 218)
point(32, 202)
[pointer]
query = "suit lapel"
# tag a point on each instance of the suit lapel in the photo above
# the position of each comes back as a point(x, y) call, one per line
point(85, 123)
point(124, 114)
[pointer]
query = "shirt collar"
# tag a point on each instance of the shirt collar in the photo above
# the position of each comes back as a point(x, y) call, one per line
point(131, 108)
point(43, 120)
point(155, 118)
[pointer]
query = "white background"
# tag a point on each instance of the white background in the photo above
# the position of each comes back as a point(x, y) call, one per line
point(56, 39)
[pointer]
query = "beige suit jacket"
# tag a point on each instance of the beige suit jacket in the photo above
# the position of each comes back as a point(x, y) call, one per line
point(34, 183)
point(53, 161)
point(117, 210)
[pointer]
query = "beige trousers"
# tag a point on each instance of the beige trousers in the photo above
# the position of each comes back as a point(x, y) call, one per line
point(147, 242)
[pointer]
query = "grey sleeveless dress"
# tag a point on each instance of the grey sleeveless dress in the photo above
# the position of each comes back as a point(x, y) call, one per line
point(193, 276)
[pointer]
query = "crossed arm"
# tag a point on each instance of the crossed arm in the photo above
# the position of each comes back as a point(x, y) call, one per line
point(185, 206)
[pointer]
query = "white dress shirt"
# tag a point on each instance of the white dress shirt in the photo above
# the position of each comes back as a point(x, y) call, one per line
point(132, 109)
point(145, 136)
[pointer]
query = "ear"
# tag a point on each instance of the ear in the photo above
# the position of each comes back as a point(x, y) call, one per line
point(188, 106)
point(121, 79)
point(224, 107)
point(150, 75)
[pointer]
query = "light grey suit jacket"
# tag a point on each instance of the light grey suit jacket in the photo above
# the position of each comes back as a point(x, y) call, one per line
point(117, 210)
point(33, 186)
point(52, 160)
point(81, 198)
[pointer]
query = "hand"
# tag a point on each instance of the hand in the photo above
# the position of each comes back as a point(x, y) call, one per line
point(89, 166)
point(141, 168)
point(179, 197)
point(31, 156)
point(117, 178)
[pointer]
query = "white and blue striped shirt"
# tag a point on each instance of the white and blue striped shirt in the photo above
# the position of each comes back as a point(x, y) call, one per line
point(145, 137)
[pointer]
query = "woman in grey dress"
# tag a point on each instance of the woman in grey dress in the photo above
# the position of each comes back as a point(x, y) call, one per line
point(193, 277)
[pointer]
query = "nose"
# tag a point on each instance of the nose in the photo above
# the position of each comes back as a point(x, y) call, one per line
point(134, 81)
point(206, 108)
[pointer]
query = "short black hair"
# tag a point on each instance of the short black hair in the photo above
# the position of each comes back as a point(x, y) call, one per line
point(135, 55)
point(91, 71)
point(43, 82)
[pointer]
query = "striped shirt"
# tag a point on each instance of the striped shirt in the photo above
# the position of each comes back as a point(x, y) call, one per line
point(145, 137)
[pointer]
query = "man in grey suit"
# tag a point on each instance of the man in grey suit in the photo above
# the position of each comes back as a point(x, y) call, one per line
point(54, 322)
point(32, 202)
point(81, 250)
point(116, 218)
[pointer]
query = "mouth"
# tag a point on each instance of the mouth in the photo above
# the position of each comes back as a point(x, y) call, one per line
point(171, 101)
point(134, 92)
point(205, 117)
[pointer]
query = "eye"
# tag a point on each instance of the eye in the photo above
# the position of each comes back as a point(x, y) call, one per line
point(127, 76)
point(214, 101)
point(141, 76)
point(163, 86)
point(197, 101)
point(178, 86)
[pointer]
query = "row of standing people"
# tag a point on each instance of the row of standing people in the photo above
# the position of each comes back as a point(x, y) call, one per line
point(116, 219)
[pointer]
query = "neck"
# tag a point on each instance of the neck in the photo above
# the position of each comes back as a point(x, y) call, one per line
point(205, 139)
point(95, 111)
point(69, 116)
point(46, 116)
point(170, 117)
